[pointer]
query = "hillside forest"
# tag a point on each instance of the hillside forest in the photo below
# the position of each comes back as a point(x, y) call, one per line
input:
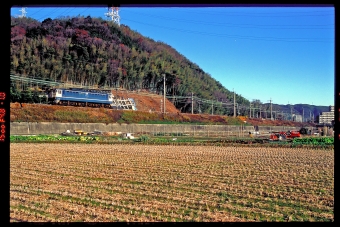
point(95, 52)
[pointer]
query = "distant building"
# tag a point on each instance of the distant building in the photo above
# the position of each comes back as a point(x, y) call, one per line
point(297, 117)
point(327, 117)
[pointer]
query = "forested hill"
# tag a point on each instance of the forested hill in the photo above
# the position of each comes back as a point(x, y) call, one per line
point(92, 51)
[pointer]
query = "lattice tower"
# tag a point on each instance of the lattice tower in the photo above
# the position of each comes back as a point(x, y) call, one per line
point(23, 12)
point(113, 14)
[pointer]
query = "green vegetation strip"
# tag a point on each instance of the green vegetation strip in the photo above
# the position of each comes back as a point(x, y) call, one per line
point(313, 142)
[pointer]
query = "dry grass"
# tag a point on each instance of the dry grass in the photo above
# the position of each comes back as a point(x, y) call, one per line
point(53, 113)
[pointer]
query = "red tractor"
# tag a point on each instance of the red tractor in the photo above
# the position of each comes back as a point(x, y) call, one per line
point(284, 135)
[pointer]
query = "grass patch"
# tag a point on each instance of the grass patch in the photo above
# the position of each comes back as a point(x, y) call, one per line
point(75, 116)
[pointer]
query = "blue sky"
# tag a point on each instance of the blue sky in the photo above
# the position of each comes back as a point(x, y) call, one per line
point(285, 53)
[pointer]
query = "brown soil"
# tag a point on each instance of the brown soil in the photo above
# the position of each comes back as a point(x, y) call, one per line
point(148, 102)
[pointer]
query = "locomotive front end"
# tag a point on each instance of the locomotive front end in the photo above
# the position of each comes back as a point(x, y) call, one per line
point(54, 96)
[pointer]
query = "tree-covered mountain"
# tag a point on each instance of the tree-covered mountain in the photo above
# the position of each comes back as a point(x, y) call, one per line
point(96, 52)
point(92, 51)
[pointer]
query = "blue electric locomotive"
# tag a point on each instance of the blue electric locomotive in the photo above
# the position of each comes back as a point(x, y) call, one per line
point(81, 97)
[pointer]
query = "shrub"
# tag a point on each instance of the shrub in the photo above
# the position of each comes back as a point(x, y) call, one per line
point(144, 138)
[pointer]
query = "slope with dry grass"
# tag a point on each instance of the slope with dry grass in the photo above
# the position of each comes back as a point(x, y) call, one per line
point(149, 111)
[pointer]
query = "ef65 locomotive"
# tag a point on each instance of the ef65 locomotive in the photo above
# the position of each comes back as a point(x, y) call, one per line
point(88, 97)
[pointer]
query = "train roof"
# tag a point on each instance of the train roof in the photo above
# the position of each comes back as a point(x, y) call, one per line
point(91, 90)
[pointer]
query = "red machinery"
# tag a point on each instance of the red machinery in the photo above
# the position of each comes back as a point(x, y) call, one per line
point(284, 135)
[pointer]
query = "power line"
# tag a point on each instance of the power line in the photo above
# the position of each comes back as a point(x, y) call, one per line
point(52, 12)
point(49, 11)
point(237, 36)
point(322, 26)
point(257, 14)
point(116, 17)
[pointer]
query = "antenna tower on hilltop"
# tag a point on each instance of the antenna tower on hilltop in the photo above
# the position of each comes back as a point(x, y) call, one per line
point(23, 12)
point(113, 14)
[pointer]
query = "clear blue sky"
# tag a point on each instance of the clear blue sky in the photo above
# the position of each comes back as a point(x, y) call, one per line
point(282, 53)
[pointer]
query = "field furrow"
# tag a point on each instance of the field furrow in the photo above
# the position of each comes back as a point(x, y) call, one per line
point(127, 182)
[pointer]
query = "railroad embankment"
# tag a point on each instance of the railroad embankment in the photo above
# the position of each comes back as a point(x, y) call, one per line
point(69, 114)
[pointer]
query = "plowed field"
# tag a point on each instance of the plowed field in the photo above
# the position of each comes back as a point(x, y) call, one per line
point(129, 183)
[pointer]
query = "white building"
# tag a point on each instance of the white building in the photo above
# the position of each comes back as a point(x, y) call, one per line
point(297, 117)
point(327, 117)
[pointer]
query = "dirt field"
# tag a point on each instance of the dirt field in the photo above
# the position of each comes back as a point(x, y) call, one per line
point(129, 183)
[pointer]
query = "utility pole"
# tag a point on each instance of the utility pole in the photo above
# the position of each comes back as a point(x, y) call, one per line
point(249, 109)
point(313, 115)
point(192, 103)
point(271, 116)
point(212, 108)
point(234, 104)
point(164, 93)
point(291, 113)
point(303, 113)
point(260, 112)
